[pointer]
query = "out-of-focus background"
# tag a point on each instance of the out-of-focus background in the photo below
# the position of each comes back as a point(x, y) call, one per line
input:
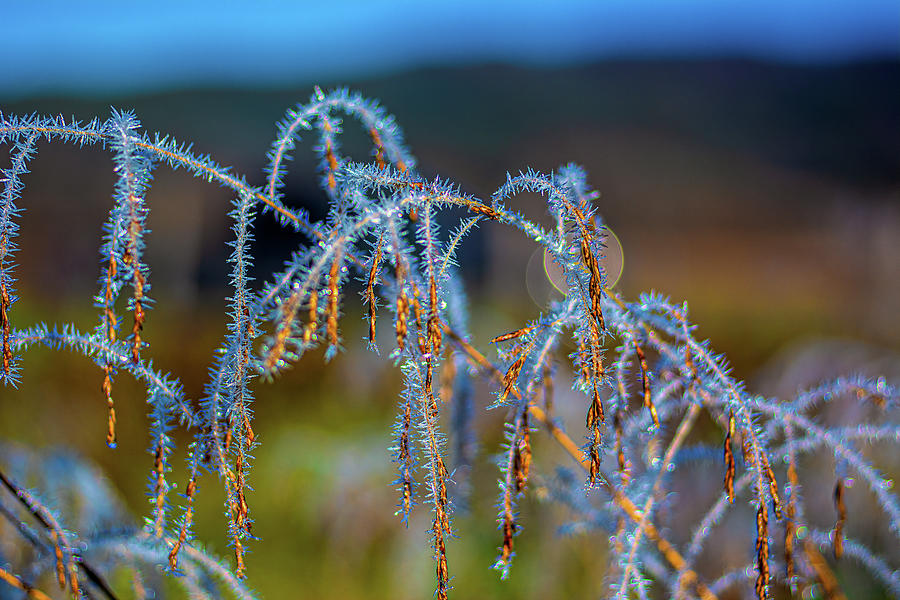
point(748, 157)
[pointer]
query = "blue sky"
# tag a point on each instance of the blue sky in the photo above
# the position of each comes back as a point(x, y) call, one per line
point(122, 46)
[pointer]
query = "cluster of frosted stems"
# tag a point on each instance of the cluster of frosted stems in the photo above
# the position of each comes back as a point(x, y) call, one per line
point(646, 380)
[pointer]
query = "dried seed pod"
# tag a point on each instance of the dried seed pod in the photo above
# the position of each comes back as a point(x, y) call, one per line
point(597, 357)
point(442, 495)
point(400, 322)
point(139, 317)
point(185, 523)
point(330, 158)
point(522, 456)
point(762, 553)
point(511, 335)
point(312, 323)
point(509, 531)
point(379, 148)
point(288, 310)
point(159, 466)
point(595, 287)
point(106, 387)
point(241, 521)
point(250, 331)
point(248, 431)
point(110, 314)
point(789, 533)
point(689, 362)
point(645, 384)
point(239, 567)
point(4, 325)
point(331, 309)
point(228, 434)
point(512, 374)
point(584, 362)
point(73, 579)
point(370, 287)
point(435, 337)
point(838, 533)
point(417, 307)
point(594, 419)
point(595, 414)
point(406, 462)
point(729, 460)
point(745, 449)
point(481, 209)
point(620, 450)
point(400, 326)
point(594, 457)
point(60, 570)
point(773, 487)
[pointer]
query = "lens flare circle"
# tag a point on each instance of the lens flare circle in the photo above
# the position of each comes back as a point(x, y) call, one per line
point(612, 263)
